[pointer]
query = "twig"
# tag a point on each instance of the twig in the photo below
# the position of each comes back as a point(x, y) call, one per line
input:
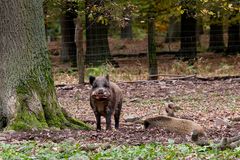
point(235, 144)
point(218, 78)
point(234, 139)
point(183, 78)
point(236, 119)
point(170, 75)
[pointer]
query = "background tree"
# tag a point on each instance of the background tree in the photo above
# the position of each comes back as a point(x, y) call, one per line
point(97, 25)
point(126, 29)
point(216, 41)
point(188, 48)
point(233, 38)
point(152, 57)
point(27, 94)
point(68, 46)
point(234, 28)
point(221, 13)
point(173, 33)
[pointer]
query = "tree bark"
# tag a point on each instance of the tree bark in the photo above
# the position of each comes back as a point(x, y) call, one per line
point(216, 42)
point(80, 52)
point(27, 94)
point(152, 57)
point(97, 46)
point(188, 49)
point(233, 39)
point(68, 50)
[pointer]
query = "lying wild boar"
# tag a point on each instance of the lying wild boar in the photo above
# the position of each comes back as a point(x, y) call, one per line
point(105, 100)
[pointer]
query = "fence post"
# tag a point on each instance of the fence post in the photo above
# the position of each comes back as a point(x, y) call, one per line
point(80, 52)
point(152, 57)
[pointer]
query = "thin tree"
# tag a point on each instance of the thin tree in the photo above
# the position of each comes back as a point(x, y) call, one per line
point(27, 94)
point(152, 57)
point(80, 50)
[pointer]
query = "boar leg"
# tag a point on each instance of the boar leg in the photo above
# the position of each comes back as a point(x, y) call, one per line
point(117, 115)
point(108, 120)
point(98, 119)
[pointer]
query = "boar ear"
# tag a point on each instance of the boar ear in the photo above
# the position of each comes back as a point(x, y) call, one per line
point(91, 79)
point(107, 77)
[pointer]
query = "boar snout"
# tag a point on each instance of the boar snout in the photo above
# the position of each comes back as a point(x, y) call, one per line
point(101, 93)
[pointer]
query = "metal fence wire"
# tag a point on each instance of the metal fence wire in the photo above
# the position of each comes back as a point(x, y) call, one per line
point(141, 41)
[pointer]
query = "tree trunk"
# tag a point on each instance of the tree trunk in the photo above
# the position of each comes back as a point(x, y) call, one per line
point(80, 51)
point(216, 42)
point(152, 57)
point(199, 31)
point(126, 30)
point(27, 94)
point(233, 39)
point(173, 32)
point(97, 47)
point(68, 50)
point(188, 37)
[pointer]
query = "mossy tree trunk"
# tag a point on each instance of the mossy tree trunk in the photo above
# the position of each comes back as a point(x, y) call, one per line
point(27, 94)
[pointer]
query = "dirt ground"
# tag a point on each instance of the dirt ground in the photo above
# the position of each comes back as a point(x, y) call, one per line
point(201, 101)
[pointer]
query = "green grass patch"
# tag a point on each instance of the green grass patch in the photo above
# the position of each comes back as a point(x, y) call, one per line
point(66, 150)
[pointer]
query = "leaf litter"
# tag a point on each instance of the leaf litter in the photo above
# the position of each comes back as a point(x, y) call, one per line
point(204, 102)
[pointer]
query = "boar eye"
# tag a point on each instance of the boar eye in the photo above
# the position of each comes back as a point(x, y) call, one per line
point(94, 85)
point(106, 86)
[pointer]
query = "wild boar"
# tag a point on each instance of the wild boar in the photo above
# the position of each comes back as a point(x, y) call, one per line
point(105, 100)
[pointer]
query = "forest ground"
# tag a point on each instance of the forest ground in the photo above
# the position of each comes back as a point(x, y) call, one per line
point(203, 101)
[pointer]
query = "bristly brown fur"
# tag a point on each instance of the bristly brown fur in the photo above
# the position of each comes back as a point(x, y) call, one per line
point(105, 100)
point(170, 109)
point(182, 126)
point(159, 118)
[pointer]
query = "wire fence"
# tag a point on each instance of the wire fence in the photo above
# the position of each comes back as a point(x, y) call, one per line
point(119, 46)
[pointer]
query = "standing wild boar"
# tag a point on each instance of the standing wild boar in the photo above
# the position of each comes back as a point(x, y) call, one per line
point(105, 100)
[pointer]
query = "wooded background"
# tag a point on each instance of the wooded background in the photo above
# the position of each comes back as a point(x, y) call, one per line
point(120, 30)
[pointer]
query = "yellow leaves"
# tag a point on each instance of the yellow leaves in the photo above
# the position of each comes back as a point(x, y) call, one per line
point(204, 11)
point(161, 26)
point(230, 5)
point(102, 20)
point(90, 16)
point(207, 12)
point(96, 13)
